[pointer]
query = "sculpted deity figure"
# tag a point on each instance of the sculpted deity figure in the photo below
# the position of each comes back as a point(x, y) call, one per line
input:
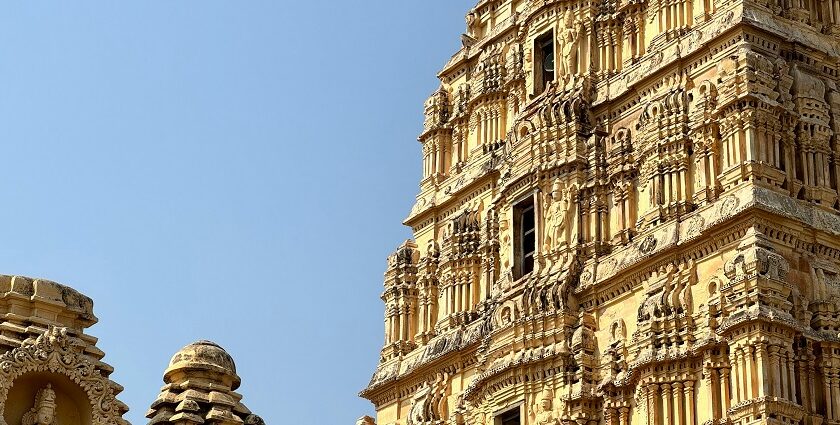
point(543, 414)
point(472, 20)
point(568, 40)
point(557, 207)
point(43, 413)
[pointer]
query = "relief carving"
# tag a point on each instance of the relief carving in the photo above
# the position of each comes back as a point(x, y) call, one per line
point(542, 409)
point(43, 412)
point(53, 352)
point(428, 405)
point(557, 205)
point(568, 42)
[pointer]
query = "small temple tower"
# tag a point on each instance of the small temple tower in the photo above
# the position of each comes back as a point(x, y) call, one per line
point(200, 389)
point(51, 372)
point(629, 213)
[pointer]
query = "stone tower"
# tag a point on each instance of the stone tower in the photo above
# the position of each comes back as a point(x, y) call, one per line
point(200, 389)
point(51, 372)
point(628, 215)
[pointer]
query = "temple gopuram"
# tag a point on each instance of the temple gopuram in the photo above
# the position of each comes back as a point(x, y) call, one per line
point(628, 214)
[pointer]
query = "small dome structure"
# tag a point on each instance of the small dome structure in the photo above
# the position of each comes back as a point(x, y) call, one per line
point(203, 358)
point(200, 388)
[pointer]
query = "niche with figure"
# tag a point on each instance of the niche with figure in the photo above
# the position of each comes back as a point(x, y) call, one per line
point(42, 398)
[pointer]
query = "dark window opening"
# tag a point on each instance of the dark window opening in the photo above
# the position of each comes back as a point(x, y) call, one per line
point(544, 73)
point(511, 417)
point(525, 238)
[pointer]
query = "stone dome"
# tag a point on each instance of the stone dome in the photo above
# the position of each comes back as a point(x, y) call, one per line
point(205, 358)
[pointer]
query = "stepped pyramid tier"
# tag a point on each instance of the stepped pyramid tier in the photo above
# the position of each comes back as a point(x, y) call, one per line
point(628, 214)
point(200, 389)
point(51, 372)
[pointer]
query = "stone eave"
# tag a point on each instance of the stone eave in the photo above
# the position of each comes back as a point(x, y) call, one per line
point(451, 358)
point(466, 54)
point(442, 128)
point(415, 219)
point(756, 202)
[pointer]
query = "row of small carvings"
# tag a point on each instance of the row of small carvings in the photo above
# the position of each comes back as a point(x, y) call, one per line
point(614, 25)
point(509, 61)
point(666, 237)
point(619, 372)
point(678, 164)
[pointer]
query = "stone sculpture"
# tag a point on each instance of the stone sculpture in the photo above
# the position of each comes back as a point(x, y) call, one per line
point(43, 413)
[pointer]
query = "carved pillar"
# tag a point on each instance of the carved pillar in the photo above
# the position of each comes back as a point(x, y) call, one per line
point(624, 416)
point(791, 378)
point(609, 416)
point(621, 202)
point(539, 205)
point(748, 365)
point(446, 299)
point(426, 162)
point(691, 417)
point(783, 376)
point(651, 404)
point(761, 362)
point(774, 365)
point(737, 376)
point(412, 325)
point(811, 371)
point(712, 387)
point(681, 401)
point(422, 308)
point(446, 154)
point(735, 392)
point(835, 393)
point(701, 173)
point(665, 393)
point(466, 293)
point(458, 299)
point(829, 402)
point(750, 142)
point(724, 389)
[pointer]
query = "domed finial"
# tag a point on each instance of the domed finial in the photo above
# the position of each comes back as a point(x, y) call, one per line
point(204, 358)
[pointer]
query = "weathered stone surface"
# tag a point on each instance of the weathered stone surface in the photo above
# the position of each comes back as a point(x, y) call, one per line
point(681, 162)
point(51, 372)
point(200, 385)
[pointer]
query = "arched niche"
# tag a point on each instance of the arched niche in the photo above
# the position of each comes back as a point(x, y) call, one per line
point(55, 355)
point(72, 404)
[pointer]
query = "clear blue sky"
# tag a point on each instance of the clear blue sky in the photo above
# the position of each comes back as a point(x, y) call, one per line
point(226, 170)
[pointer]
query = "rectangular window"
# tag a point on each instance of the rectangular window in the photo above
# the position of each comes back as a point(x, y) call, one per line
point(511, 417)
point(525, 237)
point(544, 63)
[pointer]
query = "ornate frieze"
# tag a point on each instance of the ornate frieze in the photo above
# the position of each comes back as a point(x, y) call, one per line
point(57, 353)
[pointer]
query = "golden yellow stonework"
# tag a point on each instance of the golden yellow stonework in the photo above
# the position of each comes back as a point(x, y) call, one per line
point(52, 373)
point(628, 215)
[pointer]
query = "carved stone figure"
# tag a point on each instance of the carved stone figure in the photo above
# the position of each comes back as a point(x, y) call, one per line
point(429, 402)
point(43, 412)
point(568, 41)
point(541, 410)
point(557, 206)
point(472, 22)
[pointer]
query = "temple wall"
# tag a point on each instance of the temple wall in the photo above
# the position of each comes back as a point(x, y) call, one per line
point(628, 214)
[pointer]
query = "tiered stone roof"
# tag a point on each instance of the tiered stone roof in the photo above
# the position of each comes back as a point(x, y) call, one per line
point(200, 389)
